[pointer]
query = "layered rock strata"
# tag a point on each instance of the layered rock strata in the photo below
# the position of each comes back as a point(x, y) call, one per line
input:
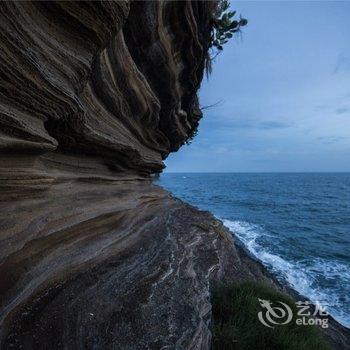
point(93, 97)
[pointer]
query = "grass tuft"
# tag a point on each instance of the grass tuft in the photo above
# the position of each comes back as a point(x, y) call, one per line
point(236, 324)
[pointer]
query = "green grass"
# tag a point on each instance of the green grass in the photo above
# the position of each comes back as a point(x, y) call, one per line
point(236, 324)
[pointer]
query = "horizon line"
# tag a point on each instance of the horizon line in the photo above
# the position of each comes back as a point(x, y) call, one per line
point(257, 172)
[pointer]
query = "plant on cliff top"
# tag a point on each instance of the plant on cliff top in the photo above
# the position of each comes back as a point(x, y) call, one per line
point(224, 25)
point(222, 28)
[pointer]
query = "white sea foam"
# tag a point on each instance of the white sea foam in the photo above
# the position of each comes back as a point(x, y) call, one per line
point(300, 275)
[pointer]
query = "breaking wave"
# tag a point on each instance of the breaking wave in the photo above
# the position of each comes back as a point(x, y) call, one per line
point(316, 279)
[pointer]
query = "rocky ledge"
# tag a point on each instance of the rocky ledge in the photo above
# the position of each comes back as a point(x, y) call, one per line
point(112, 265)
point(93, 97)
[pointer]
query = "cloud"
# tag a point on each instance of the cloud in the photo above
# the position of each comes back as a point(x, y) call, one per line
point(247, 124)
point(321, 108)
point(343, 63)
point(342, 110)
point(327, 140)
point(273, 125)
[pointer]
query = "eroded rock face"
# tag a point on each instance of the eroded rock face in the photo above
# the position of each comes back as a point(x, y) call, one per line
point(115, 265)
point(116, 80)
point(93, 96)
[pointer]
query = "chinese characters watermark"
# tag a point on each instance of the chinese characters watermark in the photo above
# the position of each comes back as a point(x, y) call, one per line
point(279, 313)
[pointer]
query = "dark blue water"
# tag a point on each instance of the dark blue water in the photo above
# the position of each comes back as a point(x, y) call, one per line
point(297, 224)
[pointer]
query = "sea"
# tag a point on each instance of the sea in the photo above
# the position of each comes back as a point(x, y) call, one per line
point(296, 224)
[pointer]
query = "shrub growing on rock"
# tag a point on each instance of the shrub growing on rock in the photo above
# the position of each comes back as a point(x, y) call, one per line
point(225, 25)
point(235, 325)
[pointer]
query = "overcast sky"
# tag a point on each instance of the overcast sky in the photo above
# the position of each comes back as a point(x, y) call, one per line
point(285, 91)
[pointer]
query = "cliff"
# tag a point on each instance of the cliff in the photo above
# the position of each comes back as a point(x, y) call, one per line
point(94, 96)
point(113, 80)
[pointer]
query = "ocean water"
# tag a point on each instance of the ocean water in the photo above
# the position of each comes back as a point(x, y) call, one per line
point(296, 224)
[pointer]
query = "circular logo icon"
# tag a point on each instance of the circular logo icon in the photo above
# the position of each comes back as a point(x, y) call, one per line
point(274, 315)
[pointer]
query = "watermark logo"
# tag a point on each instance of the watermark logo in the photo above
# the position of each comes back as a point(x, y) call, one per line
point(274, 315)
point(279, 313)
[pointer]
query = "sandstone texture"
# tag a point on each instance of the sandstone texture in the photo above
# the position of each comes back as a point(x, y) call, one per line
point(93, 255)
point(116, 80)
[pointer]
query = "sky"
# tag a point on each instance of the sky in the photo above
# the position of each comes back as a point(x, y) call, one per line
point(283, 89)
